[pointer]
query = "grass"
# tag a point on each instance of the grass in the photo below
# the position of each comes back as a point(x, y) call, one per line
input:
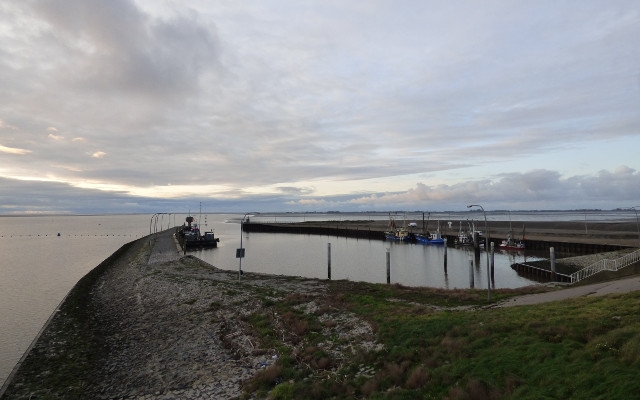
point(575, 349)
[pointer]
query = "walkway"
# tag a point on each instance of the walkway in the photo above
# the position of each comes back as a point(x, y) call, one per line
point(164, 247)
point(626, 285)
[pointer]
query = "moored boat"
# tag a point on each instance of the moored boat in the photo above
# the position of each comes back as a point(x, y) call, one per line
point(430, 237)
point(401, 234)
point(510, 243)
point(190, 237)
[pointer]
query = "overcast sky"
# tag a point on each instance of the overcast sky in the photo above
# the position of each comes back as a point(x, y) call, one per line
point(156, 106)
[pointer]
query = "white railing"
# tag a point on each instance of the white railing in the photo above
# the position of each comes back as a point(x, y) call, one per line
point(606, 265)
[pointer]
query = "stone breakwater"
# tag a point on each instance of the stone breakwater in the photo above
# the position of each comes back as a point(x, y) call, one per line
point(152, 325)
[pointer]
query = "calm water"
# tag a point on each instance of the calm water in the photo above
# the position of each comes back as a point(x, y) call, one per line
point(38, 267)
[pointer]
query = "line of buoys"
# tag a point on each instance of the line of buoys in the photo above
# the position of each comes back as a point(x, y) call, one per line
point(60, 235)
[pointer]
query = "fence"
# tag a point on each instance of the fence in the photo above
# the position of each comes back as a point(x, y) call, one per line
point(606, 265)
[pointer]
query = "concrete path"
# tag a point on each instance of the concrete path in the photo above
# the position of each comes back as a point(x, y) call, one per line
point(597, 289)
point(164, 247)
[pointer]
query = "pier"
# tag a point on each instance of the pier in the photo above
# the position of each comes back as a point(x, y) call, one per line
point(573, 245)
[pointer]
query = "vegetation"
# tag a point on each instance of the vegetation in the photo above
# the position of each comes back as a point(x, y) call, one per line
point(432, 348)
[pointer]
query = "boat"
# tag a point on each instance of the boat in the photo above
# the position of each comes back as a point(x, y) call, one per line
point(394, 233)
point(465, 237)
point(430, 237)
point(510, 243)
point(190, 237)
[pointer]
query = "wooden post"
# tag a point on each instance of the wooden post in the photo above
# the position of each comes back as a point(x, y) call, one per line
point(388, 266)
point(329, 261)
point(552, 257)
point(471, 283)
point(445, 256)
point(492, 259)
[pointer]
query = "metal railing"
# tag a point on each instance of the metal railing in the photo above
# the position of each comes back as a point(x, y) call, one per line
point(606, 265)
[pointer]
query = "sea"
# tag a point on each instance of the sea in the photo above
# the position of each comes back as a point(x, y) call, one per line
point(43, 257)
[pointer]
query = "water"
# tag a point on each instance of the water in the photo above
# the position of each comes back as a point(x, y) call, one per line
point(358, 259)
point(38, 267)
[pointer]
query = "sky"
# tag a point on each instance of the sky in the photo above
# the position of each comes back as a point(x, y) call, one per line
point(141, 106)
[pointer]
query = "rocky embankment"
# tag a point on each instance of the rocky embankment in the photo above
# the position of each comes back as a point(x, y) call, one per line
point(155, 325)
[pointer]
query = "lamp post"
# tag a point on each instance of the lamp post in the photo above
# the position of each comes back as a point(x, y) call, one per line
point(486, 248)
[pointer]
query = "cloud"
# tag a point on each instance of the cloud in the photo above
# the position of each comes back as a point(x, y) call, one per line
point(536, 189)
point(370, 104)
point(4, 125)
point(12, 150)
point(115, 46)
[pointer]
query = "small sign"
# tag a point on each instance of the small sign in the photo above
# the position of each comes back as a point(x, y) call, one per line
point(240, 253)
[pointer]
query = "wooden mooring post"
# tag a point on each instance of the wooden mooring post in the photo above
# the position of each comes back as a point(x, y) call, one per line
point(329, 261)
point(471, 283)
point(552, 258)
point(445, 256)
point(388, 266)
point(493, 254)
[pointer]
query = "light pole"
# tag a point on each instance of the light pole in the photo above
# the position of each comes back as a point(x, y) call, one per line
point(486, 248)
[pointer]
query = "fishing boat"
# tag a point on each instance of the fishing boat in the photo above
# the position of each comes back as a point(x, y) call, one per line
point(510, 243)
point(190, 237)
point(430, 237)
point(395, 233)
point(465, 237)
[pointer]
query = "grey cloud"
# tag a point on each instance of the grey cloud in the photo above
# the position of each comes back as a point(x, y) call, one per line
point(536, 189)
point(114, 46)
point(273, 94)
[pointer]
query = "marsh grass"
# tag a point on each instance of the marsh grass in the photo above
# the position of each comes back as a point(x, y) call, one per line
point(574, 349)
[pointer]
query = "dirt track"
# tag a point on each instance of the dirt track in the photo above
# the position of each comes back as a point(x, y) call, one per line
point(598, 289)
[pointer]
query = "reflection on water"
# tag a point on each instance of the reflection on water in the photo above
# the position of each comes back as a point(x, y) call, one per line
point(359, 259)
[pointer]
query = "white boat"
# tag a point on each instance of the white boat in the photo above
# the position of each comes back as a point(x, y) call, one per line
point(510, 243)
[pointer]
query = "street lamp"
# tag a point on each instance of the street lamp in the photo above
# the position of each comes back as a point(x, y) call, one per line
point(486, 248)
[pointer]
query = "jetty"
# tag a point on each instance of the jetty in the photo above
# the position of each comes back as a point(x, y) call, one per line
point(569, 237)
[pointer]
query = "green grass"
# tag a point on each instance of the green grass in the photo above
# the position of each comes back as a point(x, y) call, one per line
point(575, 349)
